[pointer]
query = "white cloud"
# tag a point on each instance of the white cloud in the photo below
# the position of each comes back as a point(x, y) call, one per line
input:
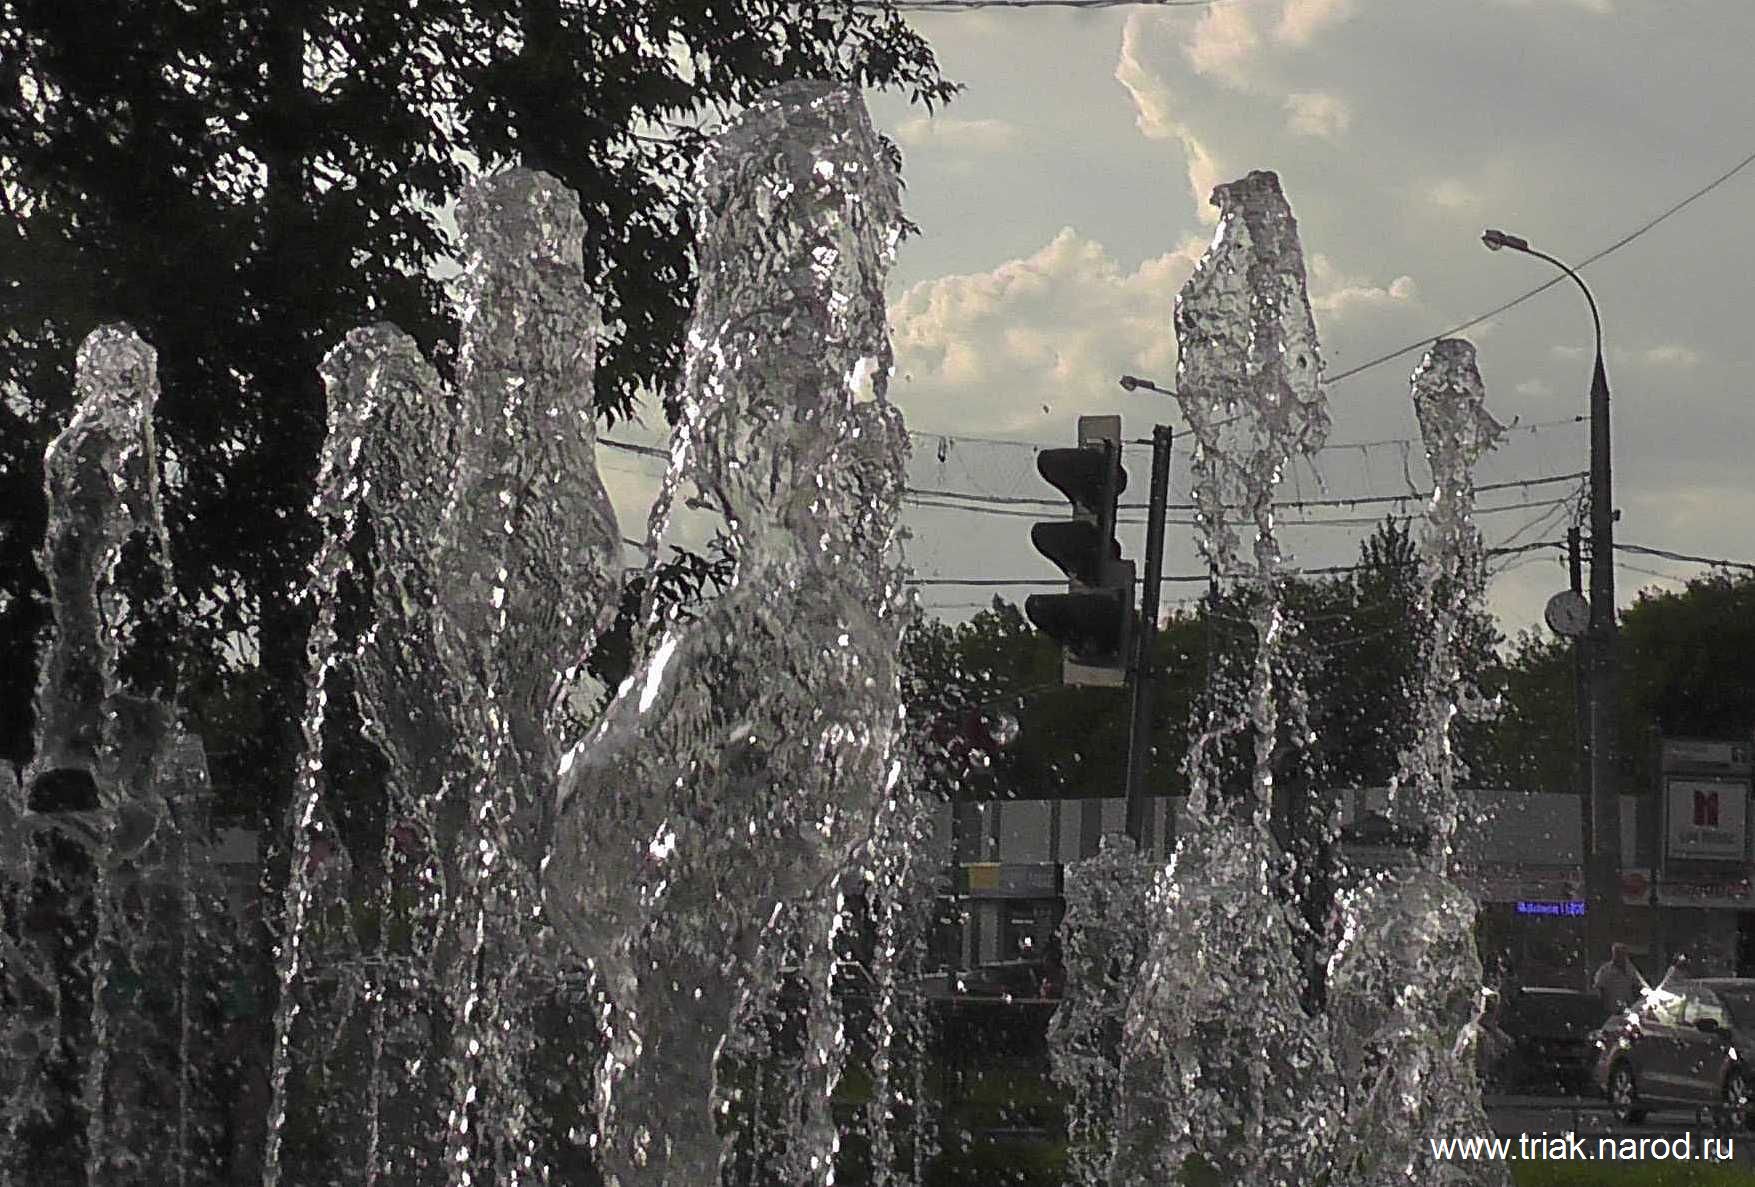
point(1670, 354)
point(1534, 388)
point(1453, 194)
point(1337, 294)
point(1153, 116)
point(1300, 20)
point(1317, 113)
point(1053, 329)
point(942, 131)
point(1222, 43)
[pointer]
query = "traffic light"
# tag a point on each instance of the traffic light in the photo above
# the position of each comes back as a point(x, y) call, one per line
point(1093, 620)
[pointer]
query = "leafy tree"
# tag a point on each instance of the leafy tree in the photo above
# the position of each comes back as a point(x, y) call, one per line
point(247, 180)
point(1686, 664)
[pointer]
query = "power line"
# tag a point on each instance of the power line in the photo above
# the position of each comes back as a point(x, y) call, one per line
point(1627, 568)
point(1328, 522)
point(1003, 501)
point(1666, 554)
point(974, 5)
point(1551, 282)
point(1321, 571)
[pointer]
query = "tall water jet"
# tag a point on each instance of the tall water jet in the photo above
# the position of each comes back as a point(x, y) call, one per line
point(1220, 1063)
point(97, 871)
point(1405, 977)
point(398, 423)
point(493, 551)
point(748, 757)
point(1105, 926)
point(529, 561)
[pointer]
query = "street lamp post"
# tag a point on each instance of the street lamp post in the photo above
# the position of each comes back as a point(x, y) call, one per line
point(1603, 872)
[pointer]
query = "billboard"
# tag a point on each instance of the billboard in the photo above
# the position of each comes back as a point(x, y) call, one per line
point(1706, 819)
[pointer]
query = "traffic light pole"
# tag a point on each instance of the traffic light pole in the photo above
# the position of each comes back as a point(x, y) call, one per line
point(1139, 740)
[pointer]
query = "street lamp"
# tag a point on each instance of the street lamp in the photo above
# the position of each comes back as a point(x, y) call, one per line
point(1603, 873)
point(1134, 382)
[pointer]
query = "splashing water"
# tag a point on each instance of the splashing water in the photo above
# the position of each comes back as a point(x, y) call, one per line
point(1405, 977)
point(1221, 1066)
point(1450, 403)
point(691, 852)
point(1106, 919)
point(1248, 382)
point(97, 865)
point(391, 405)
point(703, 824)
point(101, 480)
point(493, 564)
point(528, 553)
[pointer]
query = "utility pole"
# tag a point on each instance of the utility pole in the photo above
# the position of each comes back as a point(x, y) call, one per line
point(1605, 879)
point(1139, 739)
point(1580, 716)
point(1603, 873)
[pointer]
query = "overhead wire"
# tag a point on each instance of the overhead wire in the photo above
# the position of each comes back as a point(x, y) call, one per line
point(1186, 578)
point(1666, 554)
point(1552, 281)
point(974, 5)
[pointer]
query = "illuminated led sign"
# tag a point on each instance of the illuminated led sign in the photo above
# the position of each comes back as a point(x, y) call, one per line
point(1550, 907)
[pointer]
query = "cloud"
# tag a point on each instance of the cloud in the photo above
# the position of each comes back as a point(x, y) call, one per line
point(1666, 354)
point(947, 132)
point(1153, 116)
point(1670, 354)
point(1452, 194)
point(1226, 43)
point(1300, 20)
point(1337, 294)
point(1534, 388)
point(1222, 43)
point(1317, 113)
point(1055, 328)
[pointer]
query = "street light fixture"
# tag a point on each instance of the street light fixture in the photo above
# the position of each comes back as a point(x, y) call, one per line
point(1134, 382)
point(1603, 872)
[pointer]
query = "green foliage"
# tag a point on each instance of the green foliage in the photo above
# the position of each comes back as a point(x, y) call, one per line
point(1687, 662)
point(1652, 1173)
point(1354, 643)
point(1686, 665)
point(245, 181)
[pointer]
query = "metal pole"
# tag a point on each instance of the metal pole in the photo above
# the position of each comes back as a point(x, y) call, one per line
point(1580, 714)
point(1139, 742)
point(1603, 874)
point(1605, 795)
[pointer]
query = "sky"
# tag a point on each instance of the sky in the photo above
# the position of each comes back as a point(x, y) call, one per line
point(1063, 201)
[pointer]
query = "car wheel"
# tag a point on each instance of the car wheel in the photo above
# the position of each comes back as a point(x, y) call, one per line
point(1739, 1102)
point(1624, 1095)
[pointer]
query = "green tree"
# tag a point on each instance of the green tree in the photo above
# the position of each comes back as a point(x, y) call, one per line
point(247, 180)
point(1686, 663)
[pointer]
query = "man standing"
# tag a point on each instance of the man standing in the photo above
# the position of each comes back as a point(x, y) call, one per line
point(1618, 982)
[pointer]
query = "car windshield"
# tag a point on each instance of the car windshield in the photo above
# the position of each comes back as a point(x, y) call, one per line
point(1741, 1006)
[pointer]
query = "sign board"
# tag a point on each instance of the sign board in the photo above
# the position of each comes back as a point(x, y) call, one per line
point(1555, 908)
point(1706, 819)
point(992, 879)
point(1697, 754)
point(1731, 892)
